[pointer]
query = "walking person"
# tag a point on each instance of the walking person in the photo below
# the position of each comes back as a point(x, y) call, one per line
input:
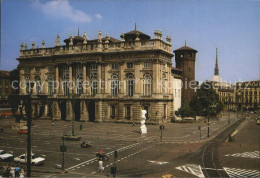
point(17, 171)
point(101, 157)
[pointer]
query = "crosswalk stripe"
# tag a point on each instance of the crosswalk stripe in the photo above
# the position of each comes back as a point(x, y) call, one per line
point(192, 169)
point(254, 154)
point(234, 172)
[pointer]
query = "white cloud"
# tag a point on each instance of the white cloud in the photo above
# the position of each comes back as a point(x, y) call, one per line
point(62, 9)
point(98, 16)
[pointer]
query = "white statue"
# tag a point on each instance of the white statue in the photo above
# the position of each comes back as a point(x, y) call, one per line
point(143, 118)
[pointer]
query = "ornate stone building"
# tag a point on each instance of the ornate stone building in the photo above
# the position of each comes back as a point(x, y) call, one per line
point(104, 79)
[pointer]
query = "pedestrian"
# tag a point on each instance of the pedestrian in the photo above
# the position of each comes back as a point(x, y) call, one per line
point(21, 172)
point(17, 171)
point(5, 170)
point(101, 157)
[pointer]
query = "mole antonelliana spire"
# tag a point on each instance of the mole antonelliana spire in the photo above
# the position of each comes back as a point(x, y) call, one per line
point(216, 72)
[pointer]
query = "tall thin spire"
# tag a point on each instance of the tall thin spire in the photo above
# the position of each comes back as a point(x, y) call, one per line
point(216, 72)
point(185, 42)
point(135, 26)
point(78, 31)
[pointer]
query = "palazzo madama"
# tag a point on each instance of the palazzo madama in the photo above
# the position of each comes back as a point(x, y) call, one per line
point(103, 79)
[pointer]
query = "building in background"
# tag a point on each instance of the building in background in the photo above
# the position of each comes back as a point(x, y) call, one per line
point(105, 79)
point(6, 88)
point(185, 58)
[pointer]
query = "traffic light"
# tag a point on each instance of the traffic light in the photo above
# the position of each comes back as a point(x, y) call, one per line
point(80, 127)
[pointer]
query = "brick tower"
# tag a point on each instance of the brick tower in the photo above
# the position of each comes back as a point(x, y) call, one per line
point(185, 58)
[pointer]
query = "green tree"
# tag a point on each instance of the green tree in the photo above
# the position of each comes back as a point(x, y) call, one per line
point(206, 100)
point(185, 111)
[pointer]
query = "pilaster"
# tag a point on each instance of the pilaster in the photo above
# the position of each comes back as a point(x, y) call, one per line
point(70, 80)
point(84, 79)
point(57, 82)
point(23, 82)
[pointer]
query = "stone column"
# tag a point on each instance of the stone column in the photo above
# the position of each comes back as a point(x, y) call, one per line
point(88, 81)
point(107, 79)
point(99, 79)
point(44, 82)
point(156, 79)
point(70, 79)
point(45, 113)
point(122, 79)
point(23, 82)
point(56, 111)
point(84, 79)
point(138, 77)
point(69, 111)
point(57, 81)
point(84, 112)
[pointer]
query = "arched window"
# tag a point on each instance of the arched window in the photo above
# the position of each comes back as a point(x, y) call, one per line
point(50, 85)
point(79, 78)
point(147, 85)
point(94, 79)
point(38, 84)
point(163, 83)
point(114, 85)
point(130, 84)
point(65, 79)
point(28, 86)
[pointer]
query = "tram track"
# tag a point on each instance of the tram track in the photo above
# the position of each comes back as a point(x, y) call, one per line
point(208, 159)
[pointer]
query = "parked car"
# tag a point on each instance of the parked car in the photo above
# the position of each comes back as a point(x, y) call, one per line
point(5, 156)
point(22, 131)
point(36, 161)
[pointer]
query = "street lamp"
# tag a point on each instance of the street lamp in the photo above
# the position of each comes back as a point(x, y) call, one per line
point(25, 101)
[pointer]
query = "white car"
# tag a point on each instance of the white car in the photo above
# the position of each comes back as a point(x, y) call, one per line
point(5, 156)
point(35, 159)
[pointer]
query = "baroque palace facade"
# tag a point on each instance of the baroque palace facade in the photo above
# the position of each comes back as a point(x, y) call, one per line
point(104, 79)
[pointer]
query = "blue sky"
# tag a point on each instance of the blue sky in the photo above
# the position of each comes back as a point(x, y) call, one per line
point(231, 26)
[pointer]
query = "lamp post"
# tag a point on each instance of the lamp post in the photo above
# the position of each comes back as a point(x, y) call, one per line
point(25, 101)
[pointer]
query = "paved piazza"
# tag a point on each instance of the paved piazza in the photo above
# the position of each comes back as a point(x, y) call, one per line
point(138, 155)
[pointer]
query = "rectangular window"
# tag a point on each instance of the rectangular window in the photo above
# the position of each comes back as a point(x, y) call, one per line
point(114, 66)
point(147, 65)
point(129, 65)
point(113, 111)
point(128, 112)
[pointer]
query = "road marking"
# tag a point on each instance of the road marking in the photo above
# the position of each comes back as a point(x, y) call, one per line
point(234, 172)
point(94, 159)
point(192, 169)
point(158, 162)
point(254, 154)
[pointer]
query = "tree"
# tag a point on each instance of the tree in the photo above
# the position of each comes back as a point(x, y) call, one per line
point(206, 100)
point(185, 111)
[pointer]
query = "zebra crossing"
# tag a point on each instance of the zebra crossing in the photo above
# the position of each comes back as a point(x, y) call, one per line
point(254, 154)
point(234, 172)
point(192, 169)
